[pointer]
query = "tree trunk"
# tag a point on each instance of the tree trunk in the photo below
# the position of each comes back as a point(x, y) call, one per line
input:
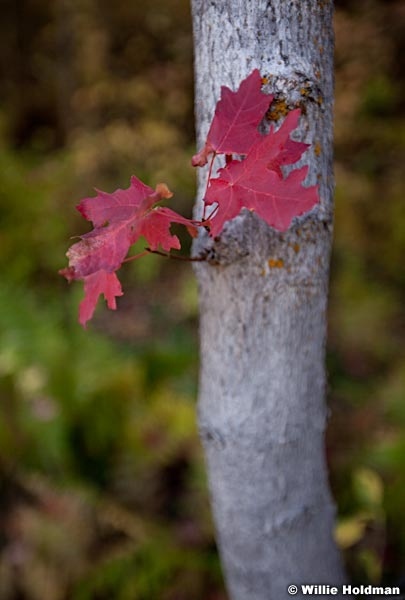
point(263, 299)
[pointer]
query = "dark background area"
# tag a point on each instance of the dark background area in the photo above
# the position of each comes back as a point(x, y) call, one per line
point(102, 484)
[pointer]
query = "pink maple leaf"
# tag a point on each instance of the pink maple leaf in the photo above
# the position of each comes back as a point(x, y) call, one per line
point(121, 204)
point(257, 182)
point(237, 115)
point(279, 148)
point(119, 219)
point(100, 282)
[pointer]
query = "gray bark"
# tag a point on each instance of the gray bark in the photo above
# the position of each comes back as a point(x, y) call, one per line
point(263, 300)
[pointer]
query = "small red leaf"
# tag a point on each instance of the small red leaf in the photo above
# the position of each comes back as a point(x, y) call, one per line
point(279, 148)
point(119, 220)
point(257, 182)
point(96, 284)
point(103, 248)
point(155, 227)
point(237, 115)
point(117, 206)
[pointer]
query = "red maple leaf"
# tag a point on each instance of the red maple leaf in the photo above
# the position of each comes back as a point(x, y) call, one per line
point(119, 219)
point(96, 284)
point(257, 182)
point(237, 115)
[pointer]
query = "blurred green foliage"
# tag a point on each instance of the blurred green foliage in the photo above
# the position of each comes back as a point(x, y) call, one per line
point(366, 317)
point(102, 484)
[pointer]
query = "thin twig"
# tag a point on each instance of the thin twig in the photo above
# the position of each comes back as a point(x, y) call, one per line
point(135, 256)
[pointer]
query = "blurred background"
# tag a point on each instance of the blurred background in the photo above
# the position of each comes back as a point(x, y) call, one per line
point(102, 485)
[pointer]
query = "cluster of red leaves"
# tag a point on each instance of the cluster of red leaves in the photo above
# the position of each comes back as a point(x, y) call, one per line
point(253, 180)
point(119, 219)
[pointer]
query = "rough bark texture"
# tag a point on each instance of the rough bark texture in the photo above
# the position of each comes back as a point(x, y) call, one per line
point(263, 298)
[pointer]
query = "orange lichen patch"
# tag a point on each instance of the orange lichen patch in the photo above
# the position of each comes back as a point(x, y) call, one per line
point(265, 80)
point(275, 263)
point(317, 149)
point(319, 100)
point(302, 106)
point(304, 91)
point(296, 247)
point(278, 109)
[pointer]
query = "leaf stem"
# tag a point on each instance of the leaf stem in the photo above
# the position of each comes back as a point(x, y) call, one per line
point(135, 256)
point(214, 210)
point(208, 182)
point(175, 256)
